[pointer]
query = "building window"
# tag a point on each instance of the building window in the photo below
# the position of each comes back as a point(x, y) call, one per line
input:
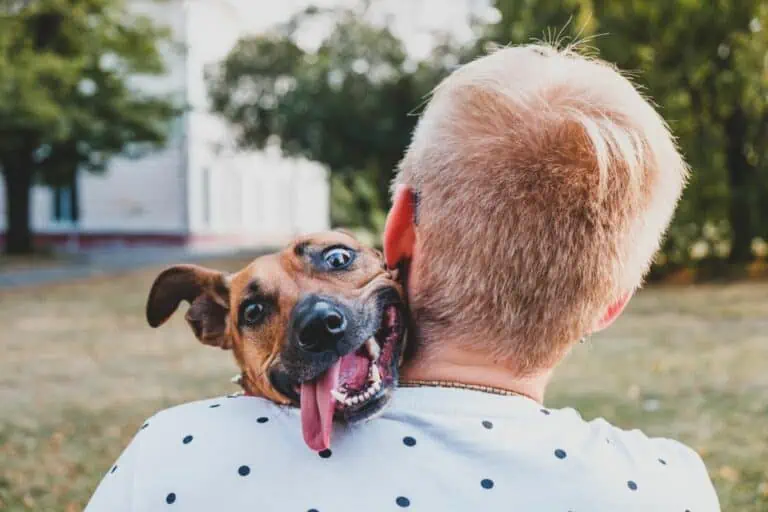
point(65, 207)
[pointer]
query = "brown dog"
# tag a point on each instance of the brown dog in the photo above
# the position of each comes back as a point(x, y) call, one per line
point(319, 324)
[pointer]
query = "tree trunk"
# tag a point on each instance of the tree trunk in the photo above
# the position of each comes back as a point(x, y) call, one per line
point(18, 190)
point(740, 178)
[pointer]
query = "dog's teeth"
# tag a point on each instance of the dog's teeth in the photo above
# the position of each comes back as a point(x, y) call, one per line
point(373, 349)
point(359, 396)
point(375, 375)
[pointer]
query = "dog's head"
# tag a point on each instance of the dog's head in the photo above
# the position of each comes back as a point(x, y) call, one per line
point(319, 324)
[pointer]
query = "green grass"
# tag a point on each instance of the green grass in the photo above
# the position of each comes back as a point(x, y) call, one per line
point(80, 371)
point(34, 261)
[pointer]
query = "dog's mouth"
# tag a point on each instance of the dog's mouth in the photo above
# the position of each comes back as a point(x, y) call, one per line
point(369, 371)
point(356, 386)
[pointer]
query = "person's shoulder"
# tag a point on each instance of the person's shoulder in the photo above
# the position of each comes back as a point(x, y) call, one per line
point(212, 429)
point(679, 465)
point(228, 411)
point(233, 402)
point(635, 442)
point(632, 442)
point(180, 453)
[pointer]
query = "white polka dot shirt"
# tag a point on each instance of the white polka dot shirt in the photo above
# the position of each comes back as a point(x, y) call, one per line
point(431, 450)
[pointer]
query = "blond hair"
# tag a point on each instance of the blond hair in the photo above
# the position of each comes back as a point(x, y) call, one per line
point(545, 183)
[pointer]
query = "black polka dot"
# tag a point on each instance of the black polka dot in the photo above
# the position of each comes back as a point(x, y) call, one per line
point(144, 426)
point(213, 406)
point(312, 510)
point(114, 468)
point(187, 440)
point(262, 419)
point(403, 502)
point(662, 461)
point(560, 454)
point(325, 453)
point(244, 470)
point(170, 498)
point(486, 483)
point(409, 441)
point(545, 412)
point(632, 485)
point(487, 424)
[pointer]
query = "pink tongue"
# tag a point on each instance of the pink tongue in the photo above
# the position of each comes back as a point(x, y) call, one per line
point(317, 406)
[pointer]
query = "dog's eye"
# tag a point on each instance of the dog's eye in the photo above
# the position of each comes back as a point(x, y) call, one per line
point(253, 313)
point(338, 257)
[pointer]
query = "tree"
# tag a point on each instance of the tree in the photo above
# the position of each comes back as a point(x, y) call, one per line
point(706, 65)
point(348, 104)
point(66, 99)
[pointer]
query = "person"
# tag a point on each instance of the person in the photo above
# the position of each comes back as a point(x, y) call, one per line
point(525, 213)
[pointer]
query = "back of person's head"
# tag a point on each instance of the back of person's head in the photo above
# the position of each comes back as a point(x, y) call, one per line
point(545, 182)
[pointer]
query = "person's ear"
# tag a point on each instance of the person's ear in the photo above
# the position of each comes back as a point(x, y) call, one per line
point(400, 229)
point(207, 293)
point(613, 312)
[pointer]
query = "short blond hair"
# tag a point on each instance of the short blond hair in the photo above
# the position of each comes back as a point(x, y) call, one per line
point(545, 183)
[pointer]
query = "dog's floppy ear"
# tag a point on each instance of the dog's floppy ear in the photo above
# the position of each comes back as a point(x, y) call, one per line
point(207, 292)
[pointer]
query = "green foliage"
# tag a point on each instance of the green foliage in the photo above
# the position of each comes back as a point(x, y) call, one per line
point(348, 104)
point(67, 100)
point(706, 65)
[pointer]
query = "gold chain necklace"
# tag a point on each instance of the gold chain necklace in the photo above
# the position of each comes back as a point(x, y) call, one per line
point(415, 383)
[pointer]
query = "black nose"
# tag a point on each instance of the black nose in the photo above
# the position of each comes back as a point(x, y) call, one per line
point(321, 326)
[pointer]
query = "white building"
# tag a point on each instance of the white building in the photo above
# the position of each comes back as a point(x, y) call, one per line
point(193, 191)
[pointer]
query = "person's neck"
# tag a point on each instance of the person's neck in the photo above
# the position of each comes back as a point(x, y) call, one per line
point(451, 363)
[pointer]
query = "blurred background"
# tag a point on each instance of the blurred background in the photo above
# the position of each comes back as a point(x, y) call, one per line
point(139, 133)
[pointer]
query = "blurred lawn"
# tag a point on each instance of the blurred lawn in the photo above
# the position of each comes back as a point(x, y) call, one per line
point(80, 371)
point(39, 260)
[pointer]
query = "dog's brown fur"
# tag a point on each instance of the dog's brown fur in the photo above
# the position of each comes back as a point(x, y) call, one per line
point(215, 297)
